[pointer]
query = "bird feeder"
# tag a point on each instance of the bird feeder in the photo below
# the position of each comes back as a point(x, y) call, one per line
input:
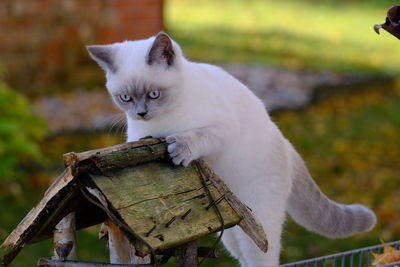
point(147, 207)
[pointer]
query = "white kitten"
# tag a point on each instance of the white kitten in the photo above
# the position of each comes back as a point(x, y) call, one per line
point(205, 112)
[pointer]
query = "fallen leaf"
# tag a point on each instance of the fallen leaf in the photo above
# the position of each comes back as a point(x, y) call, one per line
point(389, 255)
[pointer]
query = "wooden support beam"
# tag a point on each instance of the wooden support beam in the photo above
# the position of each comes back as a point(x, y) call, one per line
point(118, 244)
point(57, 263)
point(64, 241)
point(186, 255)
point(120, 249)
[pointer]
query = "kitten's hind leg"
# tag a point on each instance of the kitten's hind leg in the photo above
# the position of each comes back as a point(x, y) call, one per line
point(271, 218)
point(252, 256)
point(231, 243)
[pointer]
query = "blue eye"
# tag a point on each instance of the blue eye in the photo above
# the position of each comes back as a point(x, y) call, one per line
point(154, 94)
point(125, 98)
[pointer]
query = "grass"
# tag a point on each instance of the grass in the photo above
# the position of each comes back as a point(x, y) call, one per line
point(318, 35)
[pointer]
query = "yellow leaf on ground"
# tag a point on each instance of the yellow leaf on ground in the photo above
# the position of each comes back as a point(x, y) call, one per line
point(389, 255)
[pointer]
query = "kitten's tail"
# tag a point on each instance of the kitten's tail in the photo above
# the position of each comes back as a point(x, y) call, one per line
point(310, 208)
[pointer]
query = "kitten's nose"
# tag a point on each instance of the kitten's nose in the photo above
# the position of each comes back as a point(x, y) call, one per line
point(142, 114)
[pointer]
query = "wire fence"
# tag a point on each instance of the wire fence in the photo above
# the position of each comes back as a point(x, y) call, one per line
point(354, 258)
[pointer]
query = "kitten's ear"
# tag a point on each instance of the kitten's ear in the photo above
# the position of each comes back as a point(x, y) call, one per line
point(162, 51)
point(104, 56)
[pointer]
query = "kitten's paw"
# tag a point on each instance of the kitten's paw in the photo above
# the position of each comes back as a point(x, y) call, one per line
point(179, 150)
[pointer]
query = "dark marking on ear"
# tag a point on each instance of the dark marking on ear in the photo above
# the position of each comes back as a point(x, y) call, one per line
point(104, 56)
point(162, 51)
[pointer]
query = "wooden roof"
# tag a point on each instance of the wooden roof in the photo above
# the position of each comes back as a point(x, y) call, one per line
point(156, 204)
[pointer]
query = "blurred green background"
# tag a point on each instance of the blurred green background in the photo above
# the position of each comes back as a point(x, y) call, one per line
point(349, 136)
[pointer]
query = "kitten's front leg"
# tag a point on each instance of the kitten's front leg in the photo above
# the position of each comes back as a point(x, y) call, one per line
point(193, 144)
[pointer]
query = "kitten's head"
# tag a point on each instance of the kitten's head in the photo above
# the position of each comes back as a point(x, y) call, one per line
point(143, 77)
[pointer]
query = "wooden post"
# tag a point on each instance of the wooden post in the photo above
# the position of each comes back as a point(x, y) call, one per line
point(186, 255)
point(65, 239)
point(138, 260)
point(57, 263)
point(118, 244)
point(120, 249)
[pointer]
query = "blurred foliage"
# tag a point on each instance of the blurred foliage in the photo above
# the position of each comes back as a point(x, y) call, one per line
point(319, 35)
point(20, 130)
point(20, 133)
point(351, 145)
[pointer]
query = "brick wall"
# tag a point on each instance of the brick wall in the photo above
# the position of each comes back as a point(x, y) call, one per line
point(42, 42)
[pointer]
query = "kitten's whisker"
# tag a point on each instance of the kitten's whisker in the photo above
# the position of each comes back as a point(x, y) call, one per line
point(117, 123)
point(123, 131)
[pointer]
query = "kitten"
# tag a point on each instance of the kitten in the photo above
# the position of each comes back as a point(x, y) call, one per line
point(205, 112)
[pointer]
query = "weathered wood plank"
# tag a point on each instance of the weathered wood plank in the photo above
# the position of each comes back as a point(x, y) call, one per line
point(57, 263)
point(70, 158)
point(249, 224)
point(65, 178)
point(32, 222)
point(164, 204)
point(120, 156)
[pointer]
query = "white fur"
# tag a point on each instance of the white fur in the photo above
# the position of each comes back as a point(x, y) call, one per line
point(218, 118)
